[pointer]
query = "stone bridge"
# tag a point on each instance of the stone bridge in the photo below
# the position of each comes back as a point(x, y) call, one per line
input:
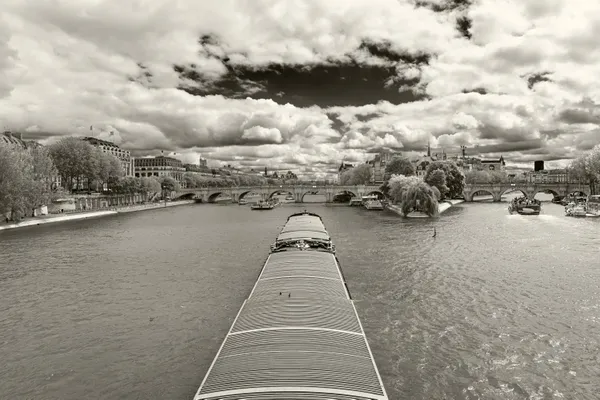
point(559, 190)
point(208, 195)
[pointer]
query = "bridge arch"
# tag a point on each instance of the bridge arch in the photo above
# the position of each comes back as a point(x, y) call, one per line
point(187, 196)
point(212, 197)
point(479, 192)
point(342, 196)
point(553, 192)
point(245, 193)
point(511, 190)
point(378, 192)
point(313, 191)
point(279, 191)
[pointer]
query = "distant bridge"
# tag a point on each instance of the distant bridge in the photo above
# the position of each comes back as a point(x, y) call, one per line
point(496, 190)
point(209, 195)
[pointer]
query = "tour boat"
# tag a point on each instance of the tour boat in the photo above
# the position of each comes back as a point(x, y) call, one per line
point(575, 210)
point(243, 202)
point(371, 202)
point(262, 205)
point(525, 206)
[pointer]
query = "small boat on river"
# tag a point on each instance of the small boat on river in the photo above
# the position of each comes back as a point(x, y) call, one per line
point(525, 206)
point(263, 205)
point(371, 202)
point(575, 210)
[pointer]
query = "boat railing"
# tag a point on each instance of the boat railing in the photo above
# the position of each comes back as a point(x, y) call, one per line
point(303, 244)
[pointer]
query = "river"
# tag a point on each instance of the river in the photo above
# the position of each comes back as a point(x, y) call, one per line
point(135, 306)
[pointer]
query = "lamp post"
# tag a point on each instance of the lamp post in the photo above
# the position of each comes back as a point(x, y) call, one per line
point(164, 192)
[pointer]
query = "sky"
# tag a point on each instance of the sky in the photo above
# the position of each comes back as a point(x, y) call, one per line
point(303, 84)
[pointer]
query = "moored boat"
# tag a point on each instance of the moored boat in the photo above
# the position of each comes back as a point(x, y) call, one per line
point(525, 206)
point(372, 202)
point(575, 210)
point(262, 205)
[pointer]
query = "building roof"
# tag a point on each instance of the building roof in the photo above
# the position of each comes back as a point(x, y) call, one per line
point(95, 141)
point(9, 137)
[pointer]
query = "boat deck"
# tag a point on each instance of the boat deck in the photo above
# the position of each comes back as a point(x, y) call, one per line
point(298, 335)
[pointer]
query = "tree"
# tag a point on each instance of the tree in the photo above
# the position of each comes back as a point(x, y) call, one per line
point(16, 173)
point(399, 166)
point(149, 186)
point(73, 159)
point(169, 184)
point(477, 176)
point(398, 185)
point(25, 179)
point(43, 173)
point(108, 170)
point(128, 185)
point(587, 168)
point(437, 179)
point(419, 197)
point(359, 175)
point(455, 180)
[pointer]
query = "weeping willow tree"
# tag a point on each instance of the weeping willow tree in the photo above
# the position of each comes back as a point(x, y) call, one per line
point(420, 196)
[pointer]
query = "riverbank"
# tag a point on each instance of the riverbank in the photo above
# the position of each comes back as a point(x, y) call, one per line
point(76, 216)
point(443, 206)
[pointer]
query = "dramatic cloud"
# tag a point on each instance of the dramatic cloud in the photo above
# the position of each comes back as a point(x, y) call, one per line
point(302, 85)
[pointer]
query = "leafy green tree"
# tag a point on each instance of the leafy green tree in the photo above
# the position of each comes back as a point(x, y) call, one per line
point(399, 166)
point(587, 168)
point(149, 186)
point(359, 175)
point(420, 197)
point(43, 173)
point(477, 176)
point(25, 179)
point(73, 159)
point(108, 169)
point(169, 184)
point(455, 180)
point(437, 179)
point(398, 185)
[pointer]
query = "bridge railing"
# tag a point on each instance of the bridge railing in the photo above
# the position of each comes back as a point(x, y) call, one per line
point(307, 185)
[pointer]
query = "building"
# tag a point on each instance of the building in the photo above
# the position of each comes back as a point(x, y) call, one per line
point(378, 164)
point(159, 167)
point(202, 162)
point(110, 148)
point(493, 165)
point(196, 168)
point(16, 139)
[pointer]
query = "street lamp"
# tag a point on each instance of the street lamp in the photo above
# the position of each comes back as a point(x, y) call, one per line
point(164, 192)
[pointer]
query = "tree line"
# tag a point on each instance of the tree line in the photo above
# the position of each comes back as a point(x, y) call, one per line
point(28, 176)
point(587, 168)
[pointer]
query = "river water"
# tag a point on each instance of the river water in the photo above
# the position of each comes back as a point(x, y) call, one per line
point(135, 306)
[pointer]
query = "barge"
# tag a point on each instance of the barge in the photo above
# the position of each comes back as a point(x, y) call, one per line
point(297, 336)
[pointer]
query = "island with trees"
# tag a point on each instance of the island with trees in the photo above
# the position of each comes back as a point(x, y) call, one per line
point(407, 193)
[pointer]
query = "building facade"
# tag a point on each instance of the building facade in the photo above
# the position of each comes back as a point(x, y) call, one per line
point(159, 167)
point(124, 156)
point(493, 165)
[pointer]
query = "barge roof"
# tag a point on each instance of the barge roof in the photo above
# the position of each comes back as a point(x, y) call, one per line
point(298, 335)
